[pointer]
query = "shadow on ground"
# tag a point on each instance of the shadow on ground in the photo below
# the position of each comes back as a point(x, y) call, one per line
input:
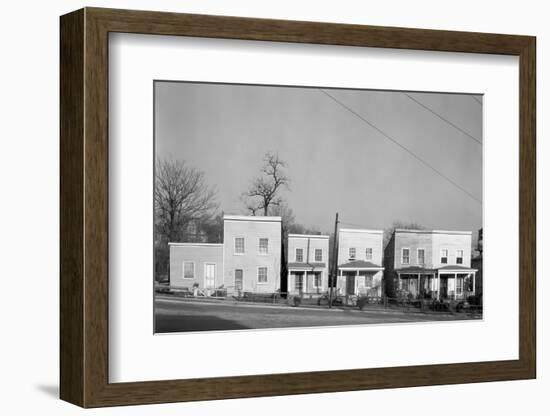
point(180, 323)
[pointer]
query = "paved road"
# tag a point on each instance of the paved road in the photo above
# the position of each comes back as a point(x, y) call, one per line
point(182, 315)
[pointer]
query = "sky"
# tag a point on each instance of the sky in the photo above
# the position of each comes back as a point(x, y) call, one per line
point(347, 152)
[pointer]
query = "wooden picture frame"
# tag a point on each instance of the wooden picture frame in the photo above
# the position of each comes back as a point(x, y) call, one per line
point(84, 207)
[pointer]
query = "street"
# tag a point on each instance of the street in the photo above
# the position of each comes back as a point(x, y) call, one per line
point(183, 315)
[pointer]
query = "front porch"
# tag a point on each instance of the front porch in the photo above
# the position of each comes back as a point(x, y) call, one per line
point(307, 279)
point(359, 278)
point(444, 283)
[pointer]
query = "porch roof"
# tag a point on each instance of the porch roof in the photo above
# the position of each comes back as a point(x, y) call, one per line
point(455, 268)
point(306, 266)
point(360, 265)
point(415, 270)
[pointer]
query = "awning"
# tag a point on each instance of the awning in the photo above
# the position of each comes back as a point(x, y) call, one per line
point(415, 270)
point(456, 269)
point(314, 266)
point(360, 265)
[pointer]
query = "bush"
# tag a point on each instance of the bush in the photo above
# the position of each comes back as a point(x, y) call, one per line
point(296, 300)
point(362, 301)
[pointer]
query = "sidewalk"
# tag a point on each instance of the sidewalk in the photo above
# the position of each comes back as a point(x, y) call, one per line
point(334, 309)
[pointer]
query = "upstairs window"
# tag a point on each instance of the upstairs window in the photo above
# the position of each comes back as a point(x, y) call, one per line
point(299, 255)
point(459, 256)
point(368, 253)
point(444, 256)
point(263, 245)
point(405, 256)
point(318, 254)
point(421, 256)
point(352, 253)
point(239, 245)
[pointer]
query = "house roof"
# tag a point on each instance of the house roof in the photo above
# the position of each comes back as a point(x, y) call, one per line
point(416, 231)
point(306, 266)
point(323, 236)
point(360, 264)
point(258, 218)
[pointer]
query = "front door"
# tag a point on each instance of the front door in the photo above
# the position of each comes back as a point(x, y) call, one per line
point(239, 280)
point(209, 278)
point(299, 282)
point(443, 288)
point(350, 284)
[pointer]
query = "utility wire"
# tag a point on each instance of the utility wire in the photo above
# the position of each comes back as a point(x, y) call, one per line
point(449, 122)
point(410, 152)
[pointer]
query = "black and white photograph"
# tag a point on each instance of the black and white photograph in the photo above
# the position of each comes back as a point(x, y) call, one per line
point(289, 206)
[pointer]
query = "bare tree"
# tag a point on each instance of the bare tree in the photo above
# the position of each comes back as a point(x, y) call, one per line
point(181, 195)
point(388, 232)
point(263, 192)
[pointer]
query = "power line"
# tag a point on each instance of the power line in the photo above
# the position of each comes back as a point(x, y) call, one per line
point(449, 122)
point(410, 152)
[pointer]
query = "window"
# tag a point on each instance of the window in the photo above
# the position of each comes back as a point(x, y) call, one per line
point(239, 245)
point(317, 280)
point(405, 256)
point(352, 253)
point(459, 256)
point(262, 274)
point(368, 281)
point(444, 256)
point(299, 255)
point(421, 256)
point(318, 254)
point(263, 245)
point(368, 253)
point(188, 270)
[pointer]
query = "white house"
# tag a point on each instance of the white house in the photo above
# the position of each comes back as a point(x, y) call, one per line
point(196, 265)
point(430, 262)
point(360, 269)
point(252, 253)
point(249, 259)
point(308, 260)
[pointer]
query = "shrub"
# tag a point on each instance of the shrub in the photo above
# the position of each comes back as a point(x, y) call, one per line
point(362, 301)
point(296, 300)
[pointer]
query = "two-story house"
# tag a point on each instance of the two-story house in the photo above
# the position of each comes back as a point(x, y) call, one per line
point(360, 268)
point(249, 259)
point(307, 264)
point(252, 253)
point(429, 263)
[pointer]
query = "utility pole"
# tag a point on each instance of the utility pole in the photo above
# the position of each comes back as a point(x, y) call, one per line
point(334, 271)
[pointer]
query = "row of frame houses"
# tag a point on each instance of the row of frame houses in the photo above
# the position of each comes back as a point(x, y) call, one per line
point(431, 263)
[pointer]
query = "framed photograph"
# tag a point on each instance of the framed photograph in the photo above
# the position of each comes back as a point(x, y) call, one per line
point(255, 207)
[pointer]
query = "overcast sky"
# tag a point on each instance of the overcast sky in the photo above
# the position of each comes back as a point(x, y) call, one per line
point(337, 162)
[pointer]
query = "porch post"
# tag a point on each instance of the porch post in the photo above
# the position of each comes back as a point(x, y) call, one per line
point(356, 281)
point(288, 283)
point(454, 294)
point(474, 283)
point(438, 285)
point(398, 281)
